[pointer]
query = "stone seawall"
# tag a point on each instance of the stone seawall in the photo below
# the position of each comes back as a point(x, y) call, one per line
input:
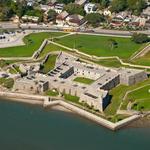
point(31, 99)
point(46, 102)
point(90, 116)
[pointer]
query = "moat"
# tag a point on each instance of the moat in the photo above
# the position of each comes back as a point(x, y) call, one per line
point(31, 127)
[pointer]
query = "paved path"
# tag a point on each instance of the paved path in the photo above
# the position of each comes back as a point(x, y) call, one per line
point(142, 52)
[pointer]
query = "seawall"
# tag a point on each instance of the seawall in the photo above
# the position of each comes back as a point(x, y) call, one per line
point(90, 116)
point(45, 101)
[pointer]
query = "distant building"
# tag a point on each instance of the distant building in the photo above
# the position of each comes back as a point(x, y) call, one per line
point(59, 8)
point(61, 18)
point(90, 8)
point(146, 13)
point(80, 2)
point(75, 20)
point(27, 18)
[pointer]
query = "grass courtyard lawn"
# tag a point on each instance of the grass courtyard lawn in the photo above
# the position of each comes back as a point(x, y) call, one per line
point(83, 80)
point(49, 64)
point(12, 71)
point(145, 60)
point(7, 82)
point(71, 98)
point(101, 45)
point(51, 93)
point(32, 43)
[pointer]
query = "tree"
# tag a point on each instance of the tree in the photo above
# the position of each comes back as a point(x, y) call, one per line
point(113, 44)
point(118, 5)
point(35, 12)
point(66, 1)
point(74, 9)
point(94, 19)
point(136, 6)
point(51, 15)
point(140, 38)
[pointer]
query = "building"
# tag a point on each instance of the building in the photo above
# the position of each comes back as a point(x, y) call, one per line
point(131, 76)
point(80, 2)
point(27, 18)
point(61, 18)
point(59, 8)
point(68, 68)
point(90, 8)
point(75, 20)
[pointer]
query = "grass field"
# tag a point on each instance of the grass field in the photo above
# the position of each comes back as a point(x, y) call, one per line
point(83, 80)
point(32, 43)
point(145, 60)
point(50, 63)
point(101, 45)
point(141, 97)
point(50, 48)
point(118, 94)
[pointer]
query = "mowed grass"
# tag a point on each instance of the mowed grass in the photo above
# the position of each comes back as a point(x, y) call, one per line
point(141, 97)
point(50, 48)
point(101, 45)
point(83, 80)
point(32, 43)
point(118, 94)
point(49, 64)
point(145, 60)
point(142, 93)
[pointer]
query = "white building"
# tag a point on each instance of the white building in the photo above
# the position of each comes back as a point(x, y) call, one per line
point(59, 8)
point(90, 8)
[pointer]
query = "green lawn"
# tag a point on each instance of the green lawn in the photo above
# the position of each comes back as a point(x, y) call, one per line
point(51, 93)
point(83, 80)
point(142, 105)
point(50, 48)
point(50, 64)
point(32, 43)
point(118, 94)
point(101, 46)
point(7, 82)
point(12, 71)
point(141, 97)
point(109, 63)
point(145, 60)
point(71, 98)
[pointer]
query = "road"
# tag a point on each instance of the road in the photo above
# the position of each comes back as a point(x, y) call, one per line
point(98, 31)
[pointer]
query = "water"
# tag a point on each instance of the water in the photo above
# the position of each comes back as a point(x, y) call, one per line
point(25, 127)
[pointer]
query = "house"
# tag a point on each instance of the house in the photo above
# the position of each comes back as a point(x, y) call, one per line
point(80, 2)
point(59, 8)
point(61, 18)
point(75, 20)
point(27, 18)
point(146, 13)
point(107, 13)
point(90, 8)
point(45, 7)
point(30, 3)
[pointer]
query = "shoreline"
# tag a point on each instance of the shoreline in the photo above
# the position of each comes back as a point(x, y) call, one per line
point(60, 105)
